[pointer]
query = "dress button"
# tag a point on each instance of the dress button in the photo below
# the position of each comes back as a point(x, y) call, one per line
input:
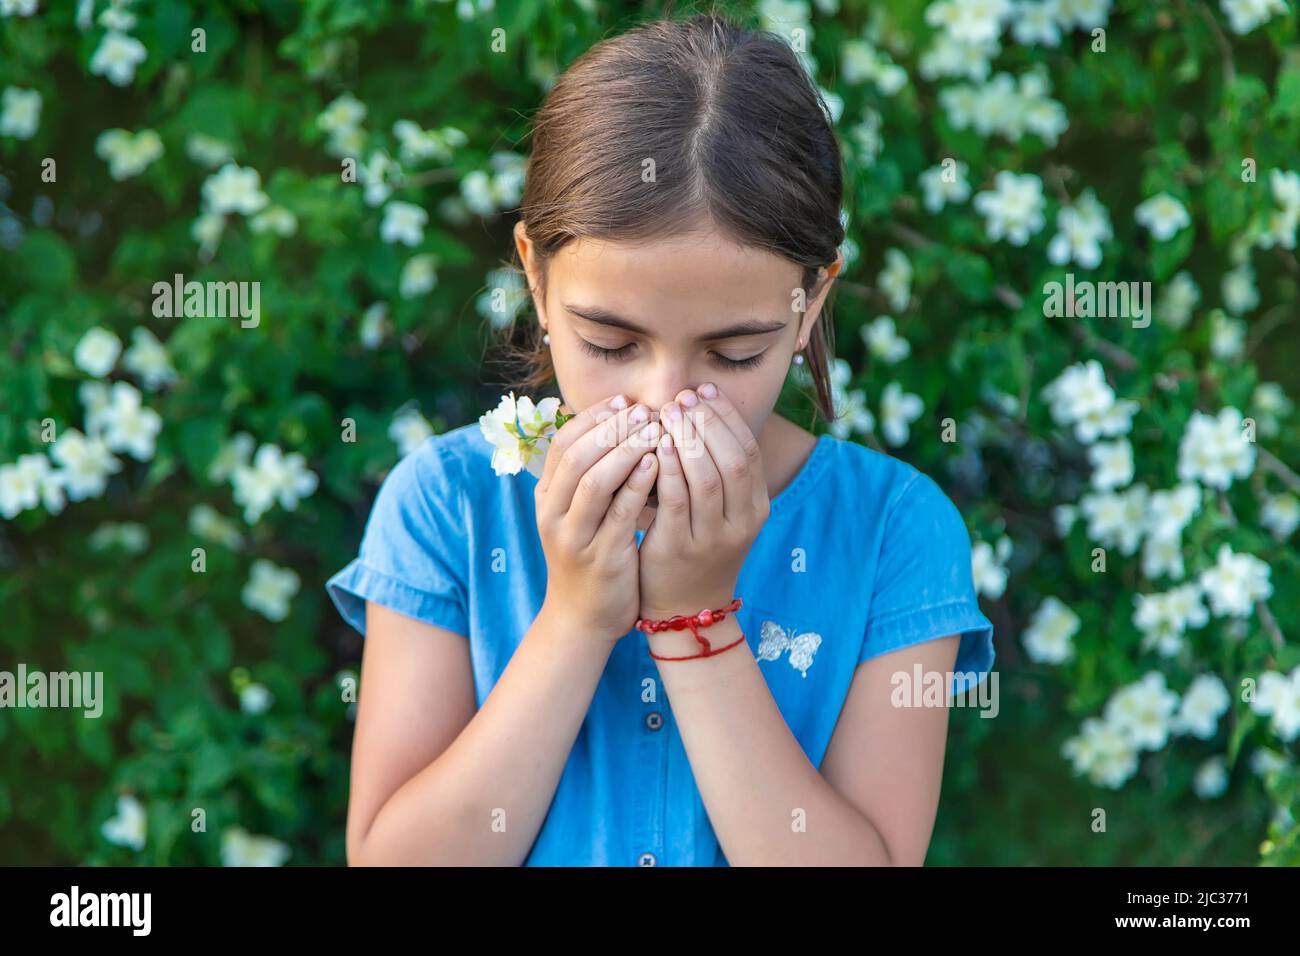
point(646, 859)
point(654, 720)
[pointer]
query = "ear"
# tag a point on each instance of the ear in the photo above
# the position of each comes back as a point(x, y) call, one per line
point(532, 270)
point(814, 309)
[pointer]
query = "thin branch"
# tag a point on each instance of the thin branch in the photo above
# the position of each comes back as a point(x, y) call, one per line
point(1270, 624)
point(1273, 464)
point(1125, 360)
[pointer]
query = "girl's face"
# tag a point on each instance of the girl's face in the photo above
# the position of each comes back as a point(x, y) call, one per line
point(653, 320)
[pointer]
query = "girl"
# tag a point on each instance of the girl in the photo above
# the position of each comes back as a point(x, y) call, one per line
point(680, 232)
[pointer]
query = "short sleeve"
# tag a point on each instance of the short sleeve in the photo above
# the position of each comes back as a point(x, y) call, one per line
point(414, 551)
point(924, 587)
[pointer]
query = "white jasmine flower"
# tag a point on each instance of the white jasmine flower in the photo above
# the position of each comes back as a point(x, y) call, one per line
point(860, 60)
point(117, 57)
point(1211, 778)
point(949, 57)
point(272, 476)
point(1116, 519)
point(17, 8)
point(206, 231)
point(1161, 557)
point(255, 699)
point(1064, 517)
point(1164, 618)
point(1264, 761)
point(970, 21)
point(374, 323)
point(1144, 710)
point(97, 352)
point(941, 186)
point(237, 452)
point(1049, 638)
point(408, 430)
point(988, 566)
point(1227, 335)
point(128, 154)
point(1112, 463)
point(1013, 209)
point(239, 848)
point(1170, 511)
point(86, 463)
point(898, 409)
point(207, 150)
point(1278, 696)
point(1085, 14)
point(1245, 15)
point(1235, 583)
point(234, 189)
point(1204, 702)
point(1271, 404)
point(1280, 514)
point(884, 342)
point(1103, 752)
point(418, 276)
point(274, 219)
point(520, 432)
point(269, 590)
point(20, 112)
point(851, 413)
point(1163, 215)
point(1082, 227)
point(1037, 23)
point(127, 424)
point(1178, 299)
point(1239, 292)
point(128, 827)
point(403, 222)
point(206, 522)
point(147, 359)
point(1214, 450)
point(895, 279)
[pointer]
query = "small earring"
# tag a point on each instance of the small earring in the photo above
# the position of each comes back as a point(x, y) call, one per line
point(798, 360)
point(546, 339)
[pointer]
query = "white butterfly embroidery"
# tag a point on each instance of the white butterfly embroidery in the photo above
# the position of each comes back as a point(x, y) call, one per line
point(776, 640)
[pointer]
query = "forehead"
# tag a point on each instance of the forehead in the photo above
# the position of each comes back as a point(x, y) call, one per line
point(690, 275)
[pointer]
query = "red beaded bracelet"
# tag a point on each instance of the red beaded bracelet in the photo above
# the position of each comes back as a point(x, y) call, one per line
point(705, 618)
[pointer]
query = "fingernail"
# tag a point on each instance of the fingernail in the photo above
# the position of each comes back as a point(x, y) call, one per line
point(708, 390)
point(617, 402)
point(666, 443)
point(648, 430)
point(689, 399)
point(638, 415)
point(645, 461)
point(672, 411)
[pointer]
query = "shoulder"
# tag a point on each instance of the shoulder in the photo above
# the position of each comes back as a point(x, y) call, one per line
point(879, 482)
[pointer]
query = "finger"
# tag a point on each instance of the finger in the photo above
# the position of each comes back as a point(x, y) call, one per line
point(745, 438)
point(702, 478)
point(673, 514)
point(586, 449)
point(596, 489)
point(630, 499)
point(574, 429)
point(728, 459)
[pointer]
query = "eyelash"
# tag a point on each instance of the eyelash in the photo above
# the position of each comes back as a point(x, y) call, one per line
point(614, 355)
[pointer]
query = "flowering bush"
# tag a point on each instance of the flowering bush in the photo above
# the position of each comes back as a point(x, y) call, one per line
point(240, 250)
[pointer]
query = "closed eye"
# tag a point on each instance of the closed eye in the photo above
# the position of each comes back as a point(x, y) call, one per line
point(617, 355)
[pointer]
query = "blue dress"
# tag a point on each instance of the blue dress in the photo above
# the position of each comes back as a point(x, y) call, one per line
point(861, 554)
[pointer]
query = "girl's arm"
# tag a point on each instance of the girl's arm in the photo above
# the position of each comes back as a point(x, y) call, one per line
point(436, 783)
point(874, 801)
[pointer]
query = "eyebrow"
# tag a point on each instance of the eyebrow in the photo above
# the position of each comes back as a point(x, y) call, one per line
point(605, 317)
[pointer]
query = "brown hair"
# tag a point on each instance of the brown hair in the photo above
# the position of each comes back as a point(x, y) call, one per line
point(741, 141)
